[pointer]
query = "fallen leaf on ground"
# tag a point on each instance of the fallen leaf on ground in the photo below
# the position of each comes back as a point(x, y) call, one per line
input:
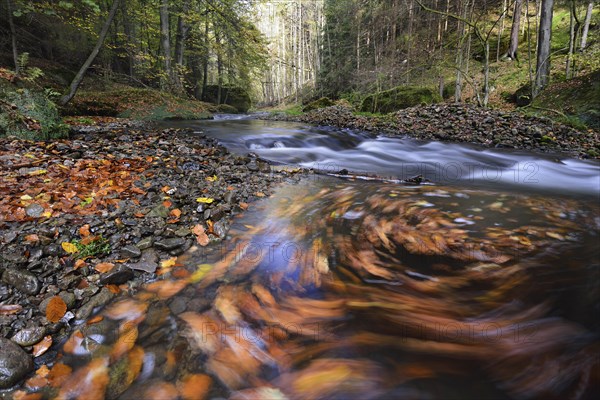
point(56, 309)
point(104, 267)
point(8, 309)
point(201, 236)
point(69, 247)
point(43, 346)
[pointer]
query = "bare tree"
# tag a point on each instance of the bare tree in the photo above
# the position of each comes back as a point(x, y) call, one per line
point(513, 45)
point(165, 42)
point(542, 75)
point(79, 77)
point(586, 25)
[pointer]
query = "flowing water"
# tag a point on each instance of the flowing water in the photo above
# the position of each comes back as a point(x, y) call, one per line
point(483, 283)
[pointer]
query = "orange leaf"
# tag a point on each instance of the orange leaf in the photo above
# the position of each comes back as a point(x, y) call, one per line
point(243, 206)
point(175, 213)
point(165, 189)
point(79, 263)
point(194, 387)
point(126, 309)
point(201, 236)
point(43, 371)
point(94, 320)
point(36, 383)
point(161, 391)
point(84, 231)
point(56, 309)
point(41, 347)
point(259, 194)
point(166, 289)
point(113, 288)
point(33, 238)
point(167, 203)
point(139, 215)
point(88, 382)
point(58, 374)
point(104, 267)
point(127, 338)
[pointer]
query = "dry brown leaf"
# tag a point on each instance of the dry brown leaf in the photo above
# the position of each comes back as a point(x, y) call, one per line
point(244, 206)
point(79, 264)
point(43, 346)
point(194, 387)
point(33, 238)
point(35, 383)
point(43, 371)
point(113, 288)
point(176, 213)
point(56, 309)
point(84, 231)
point(104, 267)
point(128, 334)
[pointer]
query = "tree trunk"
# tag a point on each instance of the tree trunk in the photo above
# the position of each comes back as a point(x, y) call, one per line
point(13, 37)
point(205, 60)
point(501, 30)
point(513, 45)
point(586, 25)
point(569, 62)
point(543, 50)
point(79, 77)
point(182, 31)
point(165, 42)
point(129, 34)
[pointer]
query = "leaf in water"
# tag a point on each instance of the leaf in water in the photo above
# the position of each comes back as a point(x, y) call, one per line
point(88, 382)
point(201, 236)
point(95, 320)
point(43, 346)
point(194, 387)
point(136, 360)
point(126, 309)
point(166, 289)
point(555, 235)
point(43, 371)
point(202, 270)
point(244, 206)
point(205, 200)
point(259, 194)
point(161, 391)
point(128, 334)
point(171, 262)
point(8, 309)
point(59, 374)
point(104, 267)
point(69, 247)
point(35, 383)
point(56, 309)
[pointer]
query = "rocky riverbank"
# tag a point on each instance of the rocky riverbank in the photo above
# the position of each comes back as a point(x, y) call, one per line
point(87, 219)
point(463, 123)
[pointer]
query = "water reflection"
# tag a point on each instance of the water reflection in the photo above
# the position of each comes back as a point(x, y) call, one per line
point(335, 289)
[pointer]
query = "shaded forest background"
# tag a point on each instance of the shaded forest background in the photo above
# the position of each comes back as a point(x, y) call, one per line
point(268, 52)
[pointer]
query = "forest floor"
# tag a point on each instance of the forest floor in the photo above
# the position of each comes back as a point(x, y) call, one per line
point(462, 123)
point(84, 219)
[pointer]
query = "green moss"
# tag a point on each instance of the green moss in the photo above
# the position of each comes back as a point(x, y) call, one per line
point(233, 96)
point(399, 98)
point(27, 113)
point(317, 104)
point(98, 247)
point(142, 104)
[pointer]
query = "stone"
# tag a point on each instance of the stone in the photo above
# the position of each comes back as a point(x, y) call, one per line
point(97, 300)
point(29, 336)
point(147, 263)
point(14, 363)
point(24, 281)
point(117, 276)
point(169, 244)
point(34, 210)
point(145, 243)
point(131, 251)
point(159, 211)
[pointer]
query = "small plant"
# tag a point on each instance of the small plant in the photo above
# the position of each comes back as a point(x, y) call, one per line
point(92, 248)
point(29, 74)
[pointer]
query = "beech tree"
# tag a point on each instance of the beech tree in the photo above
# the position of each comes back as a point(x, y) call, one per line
point(513, 45)
point(542, 75)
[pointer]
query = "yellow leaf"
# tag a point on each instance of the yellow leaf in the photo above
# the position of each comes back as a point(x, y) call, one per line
point(29, 155)
point(212, 178)
point(169, 263)
point(69, 247)
point(202, 270)
point(47, 214)
point(38, 172)
point(26, 197)
point(206, 200)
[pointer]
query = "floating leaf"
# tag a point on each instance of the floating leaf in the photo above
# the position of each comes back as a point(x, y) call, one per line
point(202, 270)
point(56, 309)
point(171, 262)
point(69, 247)
point(194, 387)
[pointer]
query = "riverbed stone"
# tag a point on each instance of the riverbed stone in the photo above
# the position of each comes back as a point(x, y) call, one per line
point(34, 210)
point(145, 243)
point(131, 251)
point(29, 336)
point(148, 261)
point(99, 299)
point(169, 244)
point(14, 363)
point(117, 276)
point(24, 281)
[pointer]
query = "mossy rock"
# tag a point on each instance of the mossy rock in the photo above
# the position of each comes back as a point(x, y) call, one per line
point(522, 97)
point(234, 96)
point(28, 114)
point(226, 109)
point(398, 98)
point(320, 103)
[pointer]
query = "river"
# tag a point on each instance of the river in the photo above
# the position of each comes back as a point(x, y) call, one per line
point(481, 283)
